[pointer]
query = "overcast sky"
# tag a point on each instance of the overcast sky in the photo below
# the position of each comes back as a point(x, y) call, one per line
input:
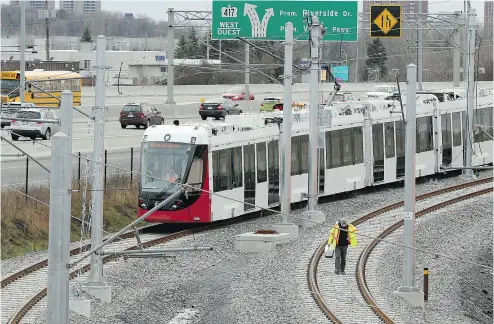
point(156, 9)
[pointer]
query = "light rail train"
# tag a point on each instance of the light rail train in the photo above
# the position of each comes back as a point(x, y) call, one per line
point(239, 159)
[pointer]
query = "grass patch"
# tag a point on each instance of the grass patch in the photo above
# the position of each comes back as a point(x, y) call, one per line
point(25, 221)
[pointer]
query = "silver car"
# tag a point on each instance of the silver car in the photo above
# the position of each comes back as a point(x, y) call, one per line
point(9, 110)
point(48, 124)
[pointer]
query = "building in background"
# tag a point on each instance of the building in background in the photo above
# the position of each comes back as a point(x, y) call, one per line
point(488, 18)
point(82, 7)
point(407, 6)
point(39, 4)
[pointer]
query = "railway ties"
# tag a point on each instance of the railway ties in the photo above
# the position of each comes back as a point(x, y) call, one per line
point(350, 298)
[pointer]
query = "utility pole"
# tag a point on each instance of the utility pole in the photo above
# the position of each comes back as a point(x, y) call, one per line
point(170, 54)
point(419, 47)
point(467, 173)
point(23, 50)
point(247, 71)
point(57, 309)
point(95, 285)
point(47, 22)
point(456, 54)
point(408, 289)
point(313, 215)
point(219, 53)
point(356, 67)
point(465, 38)
point(286, 139)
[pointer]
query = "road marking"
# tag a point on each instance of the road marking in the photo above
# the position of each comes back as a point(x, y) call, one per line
point(185, 317)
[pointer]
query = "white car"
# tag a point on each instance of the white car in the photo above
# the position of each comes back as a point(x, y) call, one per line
point(48, 124)
point(382, 92)
point(10, 108)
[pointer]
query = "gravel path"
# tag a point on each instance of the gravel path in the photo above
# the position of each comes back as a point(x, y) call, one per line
point(458, 292)
point(225, 286)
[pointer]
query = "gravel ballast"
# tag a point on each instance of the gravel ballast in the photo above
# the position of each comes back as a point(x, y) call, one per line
point(458, 292)
point(225, 286)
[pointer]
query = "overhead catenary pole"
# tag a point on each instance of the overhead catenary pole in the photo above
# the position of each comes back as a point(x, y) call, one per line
point(22, 40)
point(247, 71)
point(286, 146)
point(95, 284)
point(408, 288)
point(470, 91)
point(456, 55)
point(314, 216)
point(47, 24)
point(57, 311)
point(170, 54)
point(419, 46)
point(316, 31)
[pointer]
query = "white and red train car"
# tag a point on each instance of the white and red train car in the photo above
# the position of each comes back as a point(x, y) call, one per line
point(230, 165)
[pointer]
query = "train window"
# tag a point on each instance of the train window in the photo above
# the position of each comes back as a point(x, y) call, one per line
point(358, 145)
point(346, 136)
point(446, 130)
point(249, 176)
point(328, 150)
point(336, 149)
point(236, 166)
point(296, 155)
point(262, 175)
point(424, 134)
point(400, 149)
point(389, 139)
point(487, 122)
point(456, 129)
point(378, 142)
point(304, 148)
point(463, 128)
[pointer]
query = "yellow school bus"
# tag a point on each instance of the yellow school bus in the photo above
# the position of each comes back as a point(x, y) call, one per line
point(53, 82)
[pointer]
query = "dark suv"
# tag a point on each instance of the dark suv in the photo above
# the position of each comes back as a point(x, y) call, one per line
point(140, 114)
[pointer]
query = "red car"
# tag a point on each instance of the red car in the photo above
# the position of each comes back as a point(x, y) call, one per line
point(237, 93)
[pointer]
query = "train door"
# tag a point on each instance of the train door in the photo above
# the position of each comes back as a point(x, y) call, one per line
point(249, 177)
point(273, 173)
point(447, 139)
point(400, 149)
point(378, 150)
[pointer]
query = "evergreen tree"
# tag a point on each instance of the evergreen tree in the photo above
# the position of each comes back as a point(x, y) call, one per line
point(193, 49)
point(86, 36)
point(376, 57)
point(180, 51)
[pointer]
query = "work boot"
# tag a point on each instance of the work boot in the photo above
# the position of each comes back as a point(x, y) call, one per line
point(343, 273)
point(337, 272)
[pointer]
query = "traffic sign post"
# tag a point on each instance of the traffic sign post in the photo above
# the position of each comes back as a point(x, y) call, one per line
point(265, 20)
point(385, 21)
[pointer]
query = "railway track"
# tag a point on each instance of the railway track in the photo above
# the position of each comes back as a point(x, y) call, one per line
point(347, 299)
point(26, 289)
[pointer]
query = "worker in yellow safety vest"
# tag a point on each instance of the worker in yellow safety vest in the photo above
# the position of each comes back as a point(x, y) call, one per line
point(342, 234)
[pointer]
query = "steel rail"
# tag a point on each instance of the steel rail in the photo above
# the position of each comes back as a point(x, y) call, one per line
point(316, 257)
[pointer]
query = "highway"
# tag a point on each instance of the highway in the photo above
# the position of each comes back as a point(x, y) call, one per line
point(118, 141)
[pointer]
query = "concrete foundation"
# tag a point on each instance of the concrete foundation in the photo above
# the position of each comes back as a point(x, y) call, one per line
point(291, 229)
point(260, 243)
point(101, 291)
point(80, 306)
point(312, 217)
point(412, 295)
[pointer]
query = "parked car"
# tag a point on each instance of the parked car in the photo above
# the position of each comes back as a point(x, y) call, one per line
point(382, 92)
point(237, 93)
point(140, 115)
point(48, 124)
point(218, 108)
point(9, 110)
point(268, 103)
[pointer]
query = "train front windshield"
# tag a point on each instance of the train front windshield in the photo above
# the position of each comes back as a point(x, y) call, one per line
point(165, 165)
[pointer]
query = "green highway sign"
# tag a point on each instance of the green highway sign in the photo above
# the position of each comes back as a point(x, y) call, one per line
point(265, 20)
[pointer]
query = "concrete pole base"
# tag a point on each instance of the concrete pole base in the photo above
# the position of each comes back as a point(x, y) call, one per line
point(259, 243)
point(291, 229)
point(468, 176)
point(170, 102)
point(99, 290)
point(412, 295)
point(312, 217)
point(80, 306)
